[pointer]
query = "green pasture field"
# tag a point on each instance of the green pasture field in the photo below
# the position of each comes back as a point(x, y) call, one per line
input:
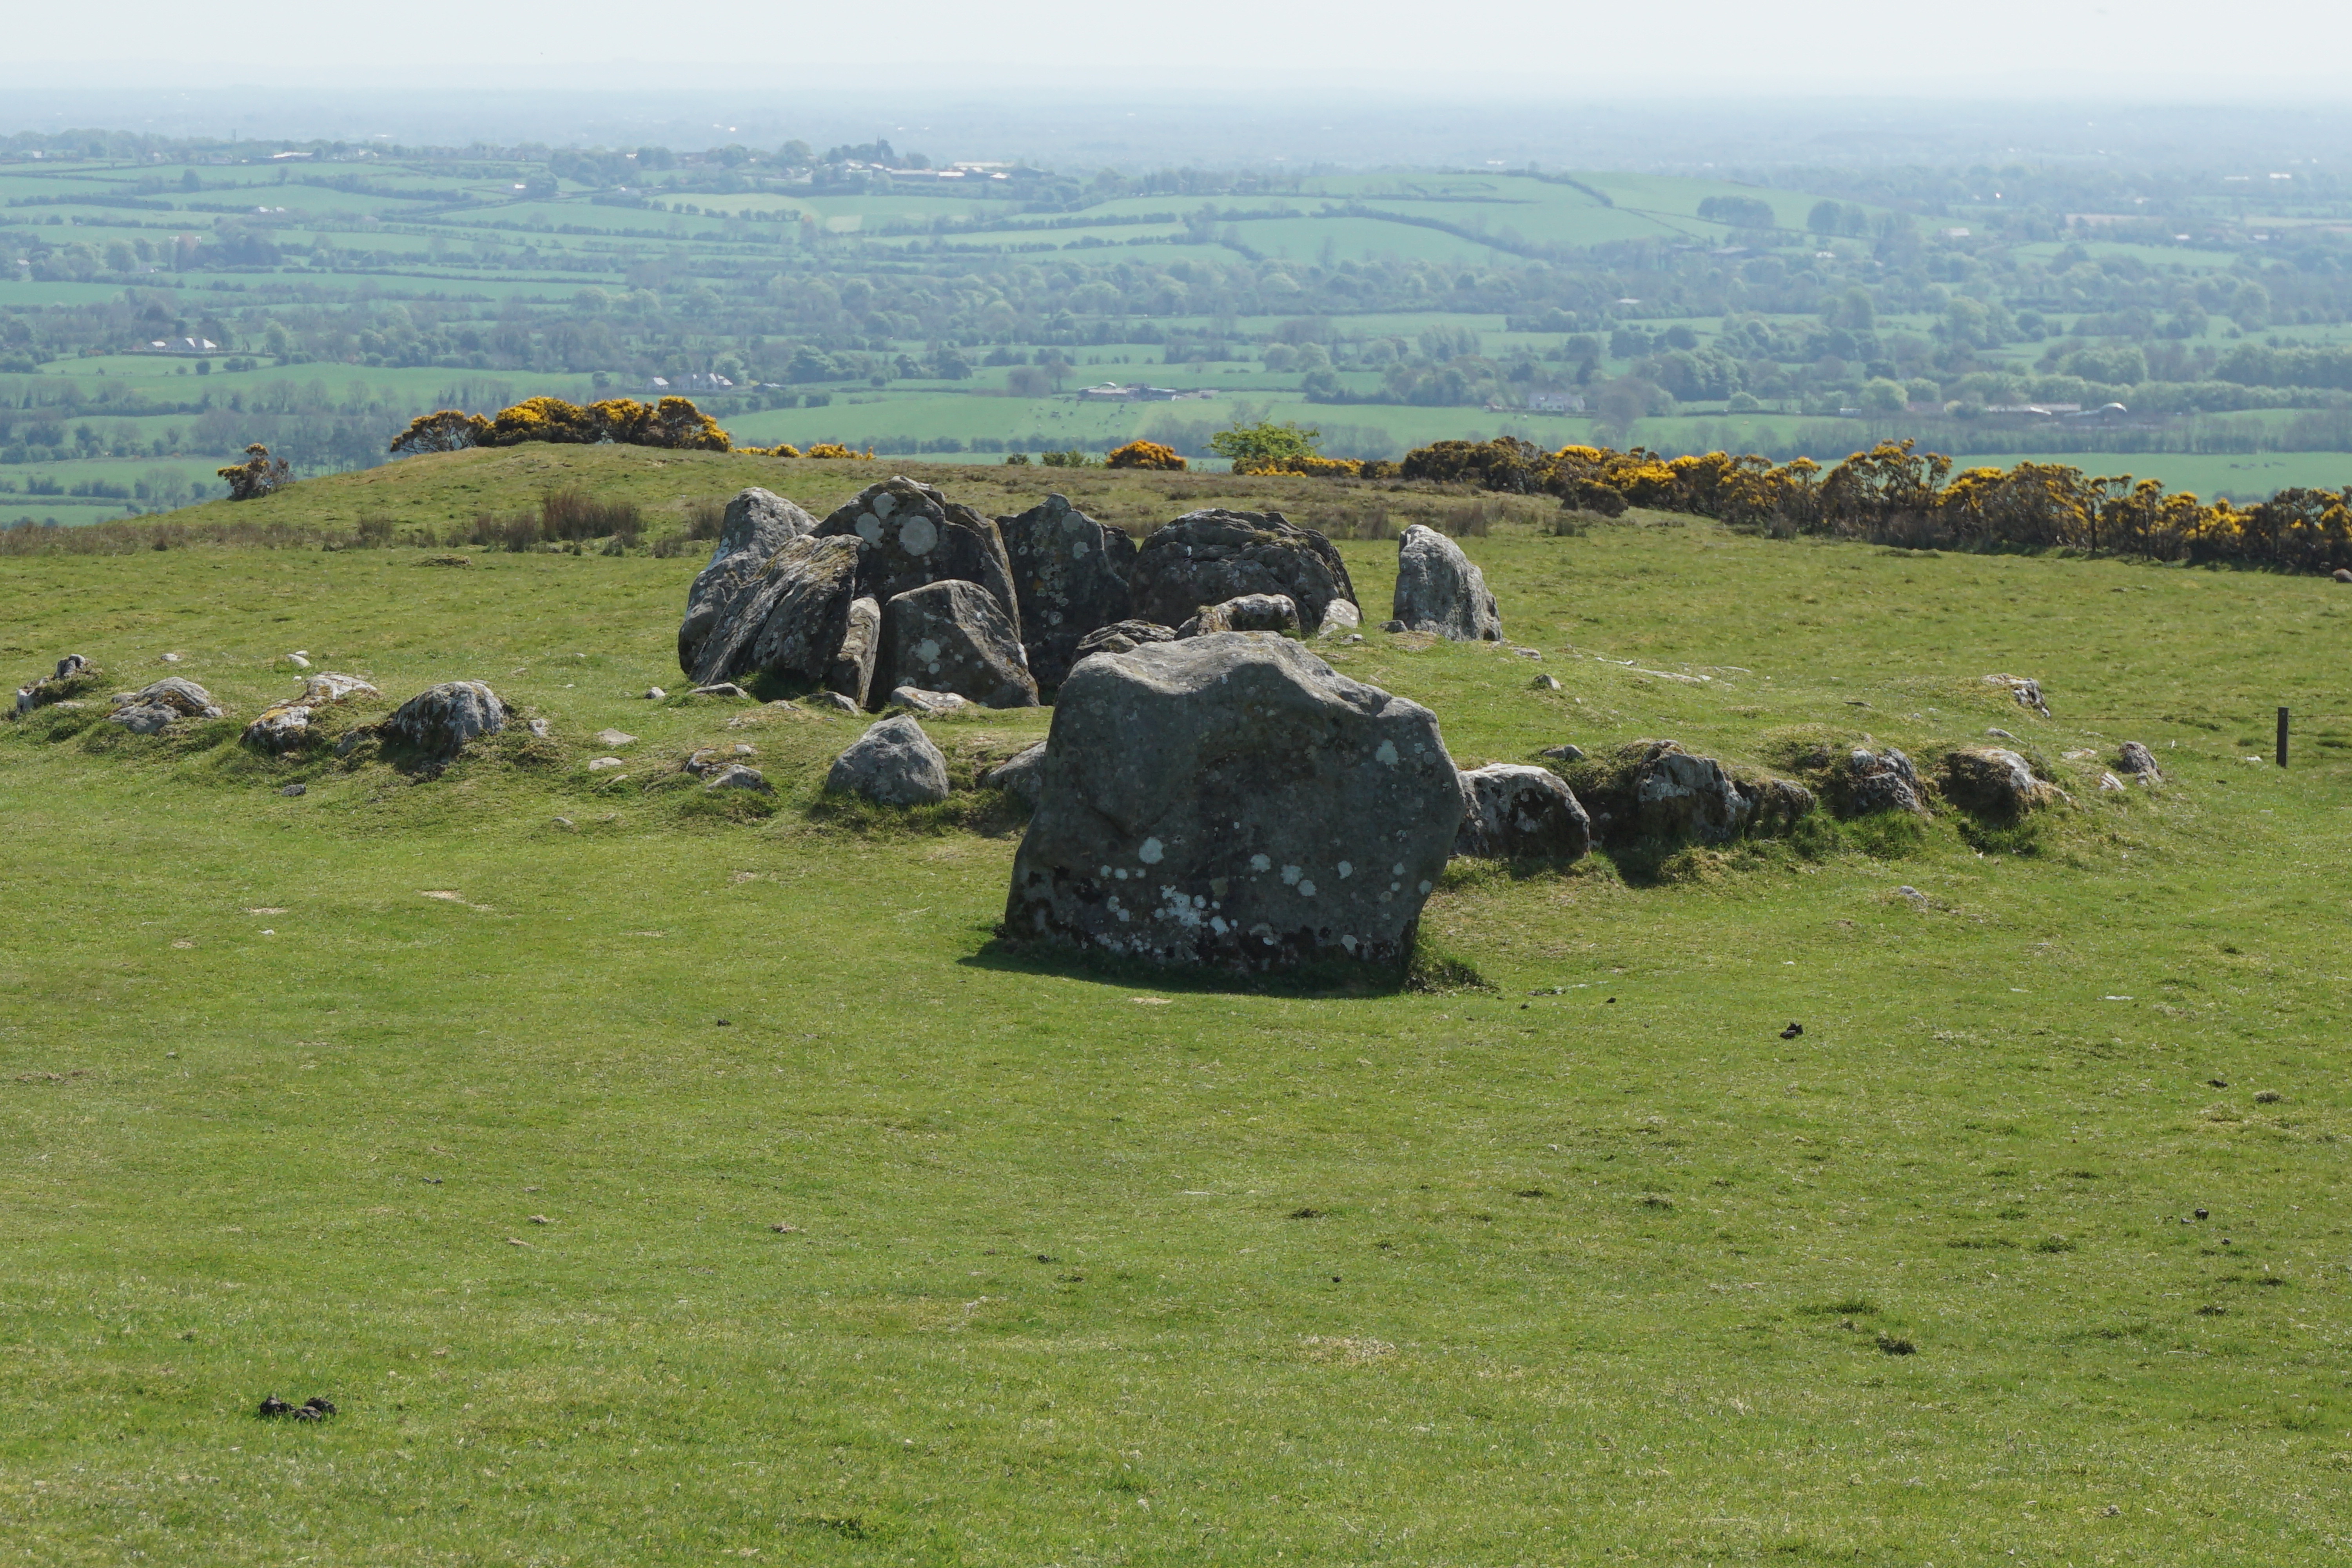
point(651, 1183)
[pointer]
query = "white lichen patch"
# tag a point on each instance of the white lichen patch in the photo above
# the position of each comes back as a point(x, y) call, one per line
point(1151, 852)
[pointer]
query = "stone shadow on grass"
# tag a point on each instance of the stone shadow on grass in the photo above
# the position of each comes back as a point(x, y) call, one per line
point(1430, 970)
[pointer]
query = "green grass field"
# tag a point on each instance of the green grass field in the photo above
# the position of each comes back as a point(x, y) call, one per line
point(483, 1123)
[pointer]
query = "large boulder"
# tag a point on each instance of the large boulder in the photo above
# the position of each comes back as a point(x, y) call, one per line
point(1070, 574)
point(953, 636)
point(757, 524)
point(893, 763)
point(438, 721)
point(851, 673)
point(1440, 590)
point(153, 709)
point(1231, 800)
point(1993, 782)
point(1514, 812)
point(788, 618)
point(1881, 781)
point(2138, 761)
point(914, 536)
point(1250, 612)
point(1208, 557)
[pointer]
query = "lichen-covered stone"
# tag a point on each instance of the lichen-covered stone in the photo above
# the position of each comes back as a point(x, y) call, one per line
point(851, 673)
point(1231, 800)
point(757, 524)
point(1070, 574)
point(1881, 781)
point(1440, 590)
point(953, 636)
point(1511, 811)
point(932, 704)
point(1993, 782)
point(2138, 761)
point(1249, 613)
point(787, 618)
point(284, 726)
point(1022, 773)
point(914, 536)
point(1679, 797)
point(893, 763)
point(438, 721)
point(1121, 636)
point(1207, 557)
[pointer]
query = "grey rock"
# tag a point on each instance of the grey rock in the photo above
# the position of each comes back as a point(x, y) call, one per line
point(1208, 557)
point(1439, 590)
point(1022, 773)
point(144, 718)
point(1994, 782)
point(2000, 734)
point(654, 694)
point(1514, 812)
point(298, 661)
point(893, 763)
point(1121, 636)
point(1231, 800)
point(757, 525)
point(610, 737)
point(281, 729)
point(1543, 683)
point(788, 617)
point(184, 697)
point(722, 689)
point(737, 776)
point(1393, 627)
point(1249, 613)
point(1881, 781)
point(1678, 796)
point(2027, 693)
point(324, 688)
point(295, 790)
point(708, 761)
point(72, 665)
point(604, 764)
point(1070, 574)
point(2343, 574)
point(2138, 761)
point(914, 536)
point(936, 704)
point(953, 636)
point(2109, 783)
point(1775, 805)
point(829, 702)
point(540, 729)
point(438, 721)
point(851, 673)
point(1564, 753)
point(1340, 617)
point(73, 673)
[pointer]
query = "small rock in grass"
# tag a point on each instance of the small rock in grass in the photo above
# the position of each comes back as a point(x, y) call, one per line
point(2000, 734)
point(1393, 627)
point(2109, 783)
point(2268, 1096)
point(540, 729)
point(654, 694)
point(1545, 683)
point(615, 738)
point(829, 702)
point(2137, 760)
point(934, 703)
point(1564, 753)
point(721, 688)
point(2344, 574)
point(602, 764)
point(298, 661)
point(295, 789)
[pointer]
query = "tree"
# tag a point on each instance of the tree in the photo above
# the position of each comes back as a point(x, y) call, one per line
point(1880, 395)
point(258, 476)
point(1254, 448)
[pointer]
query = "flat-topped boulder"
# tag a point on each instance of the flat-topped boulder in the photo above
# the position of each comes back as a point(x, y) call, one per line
point(1511, 811)
point(1439, 590)
point(1231, 800)
point(1070, 574)
point(153, 709)
point(1208, 557)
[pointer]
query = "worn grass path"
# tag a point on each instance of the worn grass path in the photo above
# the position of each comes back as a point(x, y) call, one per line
point(1598, 1268)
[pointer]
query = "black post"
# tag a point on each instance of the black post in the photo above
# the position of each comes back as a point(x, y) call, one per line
point(2282, 737)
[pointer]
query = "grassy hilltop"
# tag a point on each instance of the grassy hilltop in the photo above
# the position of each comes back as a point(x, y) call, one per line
point(648, 1183)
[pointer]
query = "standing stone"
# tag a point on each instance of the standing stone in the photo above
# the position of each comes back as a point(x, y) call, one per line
point(788, 619)
point(894, 764)
point(758, 523)
point(1439, 589)
point(1208, 557)
point(953, 637)
point(440, 719)
point(2137, 760)
point(1677, 796)
point(1071, 575)
point(852, 670)
point(1512, 812)
point(914, 536)
point(1231, 800)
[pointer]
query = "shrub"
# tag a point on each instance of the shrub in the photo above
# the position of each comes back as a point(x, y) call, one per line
point(1145, 455)
point(834, 449)
point(258, 476)
point(444, 430)
point(1073, 459)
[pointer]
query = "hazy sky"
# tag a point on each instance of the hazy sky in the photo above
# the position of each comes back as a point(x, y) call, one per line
point(2250, 49)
